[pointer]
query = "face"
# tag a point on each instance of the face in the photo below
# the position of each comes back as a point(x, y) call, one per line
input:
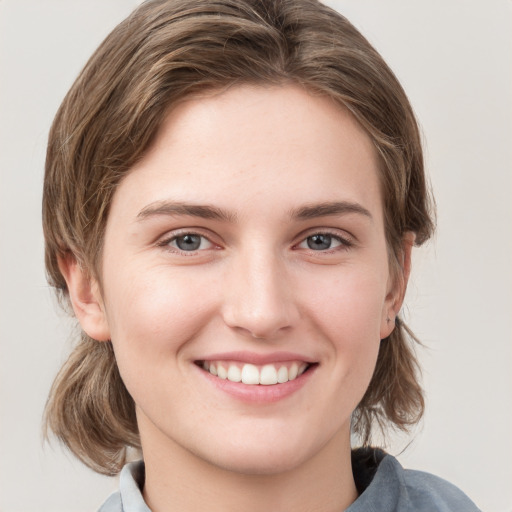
point(248, 244)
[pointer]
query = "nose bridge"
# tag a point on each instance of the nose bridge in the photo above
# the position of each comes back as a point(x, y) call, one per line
point(258, 297)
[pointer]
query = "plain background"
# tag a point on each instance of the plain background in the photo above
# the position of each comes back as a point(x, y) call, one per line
point(454, 58)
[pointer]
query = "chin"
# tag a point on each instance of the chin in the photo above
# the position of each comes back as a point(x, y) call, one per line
point(247, 462)
point(261, 455)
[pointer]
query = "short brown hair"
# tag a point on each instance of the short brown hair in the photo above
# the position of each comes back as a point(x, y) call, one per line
point(165, 51)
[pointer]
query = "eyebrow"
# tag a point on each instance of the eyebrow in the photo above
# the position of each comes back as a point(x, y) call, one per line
point(193, 210)
point(214, 213)
point(331, 208)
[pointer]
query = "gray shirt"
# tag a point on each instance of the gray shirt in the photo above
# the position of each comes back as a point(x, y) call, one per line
point(383, 484)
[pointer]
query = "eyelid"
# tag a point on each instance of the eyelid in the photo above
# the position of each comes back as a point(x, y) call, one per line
point(165, 240)
point(346, 239)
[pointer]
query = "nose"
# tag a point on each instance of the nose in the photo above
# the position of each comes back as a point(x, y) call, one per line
point(258, 296)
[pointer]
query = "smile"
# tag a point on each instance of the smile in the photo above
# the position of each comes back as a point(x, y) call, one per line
point(251, 374)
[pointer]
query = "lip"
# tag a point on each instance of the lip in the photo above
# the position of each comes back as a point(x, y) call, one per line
point(258, 359)
point(257, 394)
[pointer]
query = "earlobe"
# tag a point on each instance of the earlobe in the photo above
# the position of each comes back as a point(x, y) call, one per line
point(396, 296)
point(85, 296)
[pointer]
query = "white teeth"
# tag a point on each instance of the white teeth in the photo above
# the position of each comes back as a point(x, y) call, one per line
point(282, 375)
point(234, 373)
point(293, 371)
point(250, 374)
point(222, 372)
point(268, 375)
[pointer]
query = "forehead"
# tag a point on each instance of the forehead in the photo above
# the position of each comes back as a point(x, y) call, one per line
point(279, 144)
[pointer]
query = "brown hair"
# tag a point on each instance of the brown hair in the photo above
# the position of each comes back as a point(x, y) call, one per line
point(163, 52)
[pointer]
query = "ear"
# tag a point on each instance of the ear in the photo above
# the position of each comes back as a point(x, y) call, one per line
point(396, 294)
point(85, 296)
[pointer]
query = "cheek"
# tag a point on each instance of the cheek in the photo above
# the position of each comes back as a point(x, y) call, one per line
point(153, 313)
point(353, 303)
point(349, 314)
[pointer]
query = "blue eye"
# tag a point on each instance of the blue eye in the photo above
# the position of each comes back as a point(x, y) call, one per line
point(189, 242)
point(323, 242)
point(319, 242)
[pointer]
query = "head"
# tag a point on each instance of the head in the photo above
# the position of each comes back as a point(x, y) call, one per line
point(164, 55)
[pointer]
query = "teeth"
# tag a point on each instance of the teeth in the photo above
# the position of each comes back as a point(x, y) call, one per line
point(282, 375)
point(251, 374)
point(234, 373)
point(268, 375)
point(222, 372)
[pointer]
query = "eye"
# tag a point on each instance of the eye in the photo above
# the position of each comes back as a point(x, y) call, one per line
point(319, 242)
point(188, 242)
point(323, 242)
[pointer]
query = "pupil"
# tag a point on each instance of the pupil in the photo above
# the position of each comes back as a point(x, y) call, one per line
point(188, 242)
point(319, 242)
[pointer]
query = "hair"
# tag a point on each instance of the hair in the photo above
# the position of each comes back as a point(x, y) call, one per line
point(164, 52)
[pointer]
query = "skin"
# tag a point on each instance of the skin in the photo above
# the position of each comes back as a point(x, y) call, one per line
point(262, 156)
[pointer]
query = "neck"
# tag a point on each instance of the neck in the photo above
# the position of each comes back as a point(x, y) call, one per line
point(177, 480)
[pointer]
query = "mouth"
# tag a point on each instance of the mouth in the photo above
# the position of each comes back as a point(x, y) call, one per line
point(256, 375)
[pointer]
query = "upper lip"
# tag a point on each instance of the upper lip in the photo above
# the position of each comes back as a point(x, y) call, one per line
point(256, 358)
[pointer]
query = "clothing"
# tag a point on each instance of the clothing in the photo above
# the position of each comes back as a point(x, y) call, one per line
point(382, 483)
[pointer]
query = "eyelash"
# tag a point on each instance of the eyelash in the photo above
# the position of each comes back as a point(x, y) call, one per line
point(166, 243)
point(345, 243)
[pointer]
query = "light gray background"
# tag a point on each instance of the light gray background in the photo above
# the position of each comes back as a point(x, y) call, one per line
point(454, 59)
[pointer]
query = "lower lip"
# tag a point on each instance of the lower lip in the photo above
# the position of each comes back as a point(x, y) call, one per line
point(258, 393)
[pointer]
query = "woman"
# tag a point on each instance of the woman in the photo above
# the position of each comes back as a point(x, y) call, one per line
point(232, 194)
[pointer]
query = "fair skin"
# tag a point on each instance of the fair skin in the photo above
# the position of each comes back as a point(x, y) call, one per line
point(250, 235)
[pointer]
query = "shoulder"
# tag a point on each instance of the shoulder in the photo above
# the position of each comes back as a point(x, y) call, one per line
point(113, 504)
point(129, 497)
point(428, 491)
point(394, 489)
